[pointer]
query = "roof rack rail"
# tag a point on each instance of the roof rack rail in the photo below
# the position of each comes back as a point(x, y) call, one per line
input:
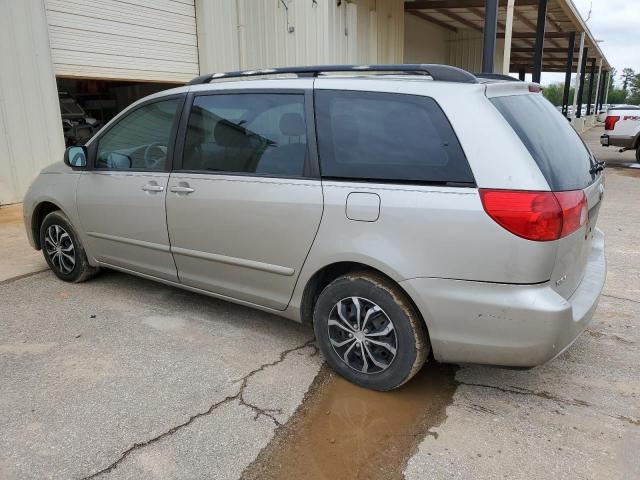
point(496, 76)
point(442, 73)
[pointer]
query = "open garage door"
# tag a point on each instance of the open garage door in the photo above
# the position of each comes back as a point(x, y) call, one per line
point(148, 40)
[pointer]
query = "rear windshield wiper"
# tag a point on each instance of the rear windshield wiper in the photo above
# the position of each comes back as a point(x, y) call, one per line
point(598, 167)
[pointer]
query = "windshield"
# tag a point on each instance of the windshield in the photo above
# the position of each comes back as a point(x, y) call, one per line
point(562, 156)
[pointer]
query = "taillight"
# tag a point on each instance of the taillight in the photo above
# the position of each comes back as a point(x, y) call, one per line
point(538, 216)
point(610, 121)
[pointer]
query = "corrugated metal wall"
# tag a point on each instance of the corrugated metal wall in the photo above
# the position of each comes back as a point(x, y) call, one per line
point(245, 34)
point(124, 39)
point(30, 127)
point(465, 51)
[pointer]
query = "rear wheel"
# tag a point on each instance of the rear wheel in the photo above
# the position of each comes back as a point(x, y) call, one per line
point(369, 332)
point(62, 249)
point(638, 154)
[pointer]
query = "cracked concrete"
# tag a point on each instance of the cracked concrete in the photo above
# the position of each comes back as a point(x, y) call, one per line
point(239, 397)
point(119, 371)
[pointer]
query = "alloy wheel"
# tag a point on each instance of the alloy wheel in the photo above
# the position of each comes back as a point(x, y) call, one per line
point(60, 249)
point(362, 335)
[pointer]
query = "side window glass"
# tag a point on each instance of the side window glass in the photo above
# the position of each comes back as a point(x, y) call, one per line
point(140, 140)
point(247, 133)
point(387, 136)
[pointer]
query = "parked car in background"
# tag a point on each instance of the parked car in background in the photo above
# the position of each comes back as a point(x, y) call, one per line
point(622, 129)
point(371, 207)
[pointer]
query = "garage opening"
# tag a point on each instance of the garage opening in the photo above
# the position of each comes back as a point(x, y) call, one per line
point(88, 104)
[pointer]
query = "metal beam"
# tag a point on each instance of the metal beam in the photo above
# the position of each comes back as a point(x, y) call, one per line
point(533, 35)
point(567, 76)
point(459, 19)
point(546, 50)
point(431, 5)
point(591, 75)
point(490, 30)
point(435, 21)
point(583, 68)
point(540, 27)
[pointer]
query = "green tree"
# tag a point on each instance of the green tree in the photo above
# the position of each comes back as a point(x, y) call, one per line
point(634, 96)
point(627, 77)
point(554, 93)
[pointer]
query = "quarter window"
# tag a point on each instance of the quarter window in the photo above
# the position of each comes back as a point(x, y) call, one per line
point(385, 136)
point(139, 141)
point(247, 133)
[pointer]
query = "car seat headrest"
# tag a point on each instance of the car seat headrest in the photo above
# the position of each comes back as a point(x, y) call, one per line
point(292, 125)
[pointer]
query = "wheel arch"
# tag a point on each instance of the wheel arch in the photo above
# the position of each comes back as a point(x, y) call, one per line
point(327, 274)
point(41, 210)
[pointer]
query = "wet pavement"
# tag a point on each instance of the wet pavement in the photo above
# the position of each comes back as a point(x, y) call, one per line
point(124, 378)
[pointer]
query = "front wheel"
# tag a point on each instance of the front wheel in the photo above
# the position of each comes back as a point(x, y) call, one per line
point(638, 154)
point(62, 249)
point(369, 332)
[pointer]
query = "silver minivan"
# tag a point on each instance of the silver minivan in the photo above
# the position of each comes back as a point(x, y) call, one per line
point(402, 210)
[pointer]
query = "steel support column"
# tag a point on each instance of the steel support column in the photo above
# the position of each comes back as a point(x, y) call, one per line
point(592, 74)
point(490, 31)
point(539, 47)
point(583, 68)
point(521, 74)
point(603, 86)
point(598, 88)
point(567, 76)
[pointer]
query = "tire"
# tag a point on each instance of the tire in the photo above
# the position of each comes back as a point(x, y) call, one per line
point(382, 303)
point(638, 154)
point(63, 251)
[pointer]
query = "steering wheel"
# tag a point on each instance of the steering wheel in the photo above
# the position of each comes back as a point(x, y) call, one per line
point(154, 155)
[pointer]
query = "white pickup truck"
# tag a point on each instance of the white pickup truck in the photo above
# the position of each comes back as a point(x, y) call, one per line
point(622, 129)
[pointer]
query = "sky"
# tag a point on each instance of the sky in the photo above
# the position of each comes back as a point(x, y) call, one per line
point(617, 22)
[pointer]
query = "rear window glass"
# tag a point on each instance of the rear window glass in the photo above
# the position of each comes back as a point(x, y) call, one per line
point(384, 136)
point(558, 150)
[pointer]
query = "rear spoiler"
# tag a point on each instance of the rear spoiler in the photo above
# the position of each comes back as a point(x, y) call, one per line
point(502, 89)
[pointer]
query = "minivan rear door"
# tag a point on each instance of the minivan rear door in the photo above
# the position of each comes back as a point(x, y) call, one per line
point(245, 200)
point(568, 165)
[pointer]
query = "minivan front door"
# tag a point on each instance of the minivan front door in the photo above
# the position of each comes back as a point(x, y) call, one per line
point(121, 200)
point(245, 204)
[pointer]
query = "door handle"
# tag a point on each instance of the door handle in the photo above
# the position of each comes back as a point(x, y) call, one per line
point(150, 187)
point(182, 189)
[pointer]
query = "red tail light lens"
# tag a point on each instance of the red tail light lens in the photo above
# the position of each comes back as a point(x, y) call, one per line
point(610, 122)
point(538, 216)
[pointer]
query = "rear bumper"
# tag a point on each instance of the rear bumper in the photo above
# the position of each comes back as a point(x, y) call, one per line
point(617, 141)
point(508, 325)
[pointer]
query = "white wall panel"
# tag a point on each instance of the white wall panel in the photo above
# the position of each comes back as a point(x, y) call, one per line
point(424, 41)
point(465, 51)
point(153, 40)
point(246, 34)
point(30, 127)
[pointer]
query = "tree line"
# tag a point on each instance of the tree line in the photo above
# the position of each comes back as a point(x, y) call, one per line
point(628, 92)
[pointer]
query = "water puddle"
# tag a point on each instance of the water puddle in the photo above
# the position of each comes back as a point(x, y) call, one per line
point(342, 431)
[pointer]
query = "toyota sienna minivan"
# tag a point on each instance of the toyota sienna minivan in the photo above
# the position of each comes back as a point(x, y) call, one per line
point(400, 210)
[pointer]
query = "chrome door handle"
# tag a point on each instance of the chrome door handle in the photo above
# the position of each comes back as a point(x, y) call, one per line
point(152, 188)
point(182, 189)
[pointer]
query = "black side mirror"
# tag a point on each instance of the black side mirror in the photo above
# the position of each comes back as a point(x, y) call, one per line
point(76, 157)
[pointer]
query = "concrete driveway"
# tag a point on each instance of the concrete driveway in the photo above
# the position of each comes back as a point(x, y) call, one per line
point(124, 378)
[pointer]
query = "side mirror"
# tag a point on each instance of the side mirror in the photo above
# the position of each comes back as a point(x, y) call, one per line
point(76, 157)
